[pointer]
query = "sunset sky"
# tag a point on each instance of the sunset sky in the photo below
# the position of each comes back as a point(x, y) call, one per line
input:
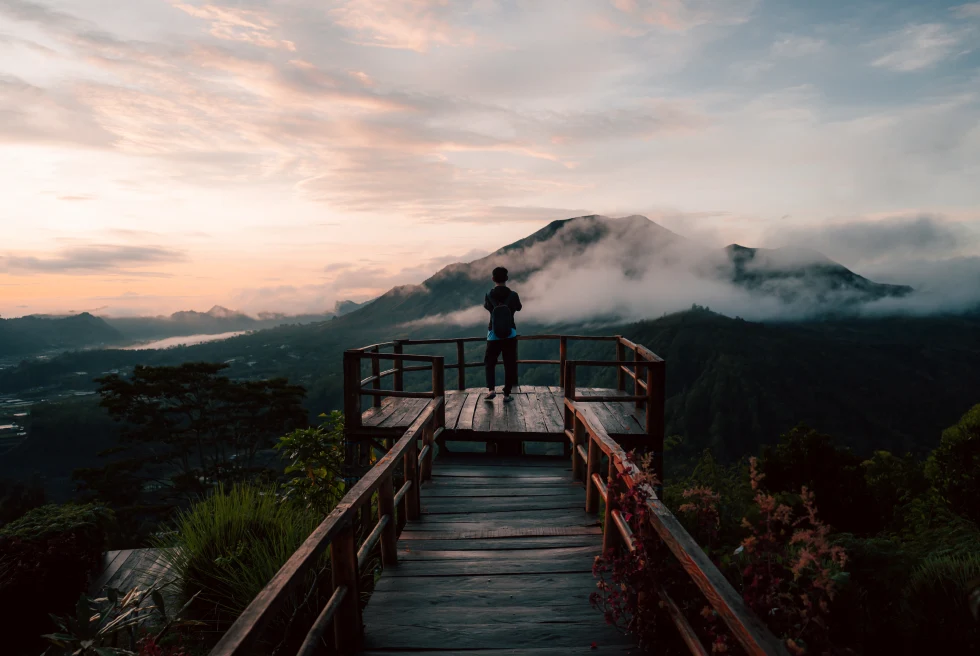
point(158, 155)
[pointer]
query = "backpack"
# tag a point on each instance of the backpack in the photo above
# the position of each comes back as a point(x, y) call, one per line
point(501, 318)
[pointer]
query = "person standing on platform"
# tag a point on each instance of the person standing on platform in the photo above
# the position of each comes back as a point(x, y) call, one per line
point(502, 302)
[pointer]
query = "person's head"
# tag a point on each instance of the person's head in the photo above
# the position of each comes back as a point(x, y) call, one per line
point(499, 275)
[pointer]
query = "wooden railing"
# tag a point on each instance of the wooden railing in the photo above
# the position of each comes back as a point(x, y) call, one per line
point(356, 387)
point(590, 442)
point(337, 532)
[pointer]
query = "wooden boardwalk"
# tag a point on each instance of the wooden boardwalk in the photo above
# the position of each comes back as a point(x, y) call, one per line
point(490, 554)
point(500, 562)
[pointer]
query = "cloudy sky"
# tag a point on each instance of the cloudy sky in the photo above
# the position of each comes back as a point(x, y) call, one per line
point(281, 154)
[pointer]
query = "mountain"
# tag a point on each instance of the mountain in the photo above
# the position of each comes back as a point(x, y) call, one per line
point(795, 275)
point(36, 334)
point(633, 256)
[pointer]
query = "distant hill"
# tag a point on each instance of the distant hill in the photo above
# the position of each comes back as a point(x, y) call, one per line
point(37, 334)
point(215, 321)
point(795, 275)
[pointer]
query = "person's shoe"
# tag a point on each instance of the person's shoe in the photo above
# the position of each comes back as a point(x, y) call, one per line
point(508, 398)
point(490, 396)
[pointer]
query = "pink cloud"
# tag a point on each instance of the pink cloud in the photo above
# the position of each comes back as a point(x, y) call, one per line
point(403, 24)
point(233, 24)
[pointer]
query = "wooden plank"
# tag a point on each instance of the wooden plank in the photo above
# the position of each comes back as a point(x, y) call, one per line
point(500, 491)
point(551, 516)
point(388, 616)
point(514, 415)
point(504, 544)
point(374, 416)
point(485, 460)
point(486, 481)
point(112, 561)
point(413, 636)
point(551, 404)
point(554, 554)
point(445, 505)
point(465, 420)
point(498, 418)
point(544, 651)
point(407, 412)
point(477, 469)
point(454, 403)
point(534, 418)
point(413, 532)
point(499, 566)
point(482, 414)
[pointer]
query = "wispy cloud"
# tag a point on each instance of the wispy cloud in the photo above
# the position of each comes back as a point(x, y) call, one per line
point(918, 47)
point(234, 24)
point(405, 24)
point(96, 258)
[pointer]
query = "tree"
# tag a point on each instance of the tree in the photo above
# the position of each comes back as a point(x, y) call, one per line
point(954, 467)
point(187, 428)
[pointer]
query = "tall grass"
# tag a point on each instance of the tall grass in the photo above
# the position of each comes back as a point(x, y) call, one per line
point(228, 546)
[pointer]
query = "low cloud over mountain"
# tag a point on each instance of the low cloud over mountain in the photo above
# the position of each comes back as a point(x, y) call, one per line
point(594, 267)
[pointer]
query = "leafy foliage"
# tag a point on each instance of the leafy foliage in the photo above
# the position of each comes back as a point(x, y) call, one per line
point(316, 461)
point(954, 467)
point(46, 557)
point(116, 625)
point(189, 428)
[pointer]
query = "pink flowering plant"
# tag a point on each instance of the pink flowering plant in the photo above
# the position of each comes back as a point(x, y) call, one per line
point(782, 562)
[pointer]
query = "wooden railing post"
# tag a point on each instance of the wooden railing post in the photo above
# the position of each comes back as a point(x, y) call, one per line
point(411, 464)
point(347, 619)
point(610, 533)
point(461, 363)
point(620, 357)
point(399, 384)
point(376, 374)
point(591, 491)
point(352, 390)
point(655, 419)
point(637, 387)
point(389, 535)
point(425, 465)
point(439, 390)
point(579, 435)
point(562, 357)
point(569, 393)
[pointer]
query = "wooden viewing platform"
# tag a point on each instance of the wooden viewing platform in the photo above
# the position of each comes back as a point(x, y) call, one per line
point(487, 553)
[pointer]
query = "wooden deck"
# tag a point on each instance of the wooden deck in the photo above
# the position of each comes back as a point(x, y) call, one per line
point(500, 562)
point(536, 410)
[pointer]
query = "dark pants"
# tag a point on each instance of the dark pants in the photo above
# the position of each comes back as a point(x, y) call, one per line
point(494, 348)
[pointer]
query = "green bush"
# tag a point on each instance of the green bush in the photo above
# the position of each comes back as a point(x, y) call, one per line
point(937, 596)
point(230, 545)
point(953, 467)
point(46, 559)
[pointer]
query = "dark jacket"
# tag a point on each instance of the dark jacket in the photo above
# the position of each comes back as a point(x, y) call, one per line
point(505, 295)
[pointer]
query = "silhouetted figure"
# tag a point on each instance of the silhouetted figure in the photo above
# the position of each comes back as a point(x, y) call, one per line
point(502, 302)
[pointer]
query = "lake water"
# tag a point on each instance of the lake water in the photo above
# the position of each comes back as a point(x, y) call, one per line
point(186, 340)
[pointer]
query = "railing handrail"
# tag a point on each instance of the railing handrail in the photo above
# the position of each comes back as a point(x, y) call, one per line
point(243, 636)
point(750, 632)
point(373, 353)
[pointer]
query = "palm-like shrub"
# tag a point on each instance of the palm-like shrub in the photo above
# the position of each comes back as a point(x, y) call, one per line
point(227, 547)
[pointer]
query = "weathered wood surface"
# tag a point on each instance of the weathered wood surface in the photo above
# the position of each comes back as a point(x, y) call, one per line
point(129, 568)
point(536, 410)
point(488, 571)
